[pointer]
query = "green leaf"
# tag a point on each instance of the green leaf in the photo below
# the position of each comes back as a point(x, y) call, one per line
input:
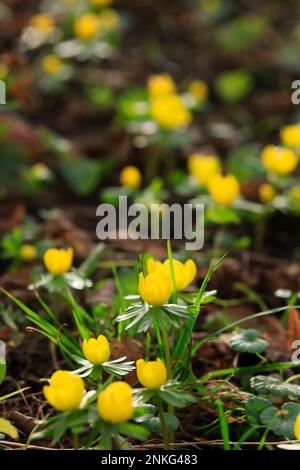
point(2, 361)
point(153, 422)
point(282, 421)
point(222, 215)
point(248, 341)
point(245, 164)
point(7, 428)
point(135, 431)
point(274, 386)
point(254, 407)
point(81, 174)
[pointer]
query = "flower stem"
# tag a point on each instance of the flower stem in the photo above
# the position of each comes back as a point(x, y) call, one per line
point(163, 423)
point(167, 353)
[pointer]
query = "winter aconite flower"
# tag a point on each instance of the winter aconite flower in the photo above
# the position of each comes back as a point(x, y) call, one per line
point(87, 26)
point(297, 428)
point(65, 391)
point(96, 351)
point(58, 261)
point(170, 112)
point(224, 190)
point(152, 374)
point(199, 90)
point(203, 167)
point(131, 177)
point(52, 64)
point(160, 85)
point(266, 193)
point(115, 403)
point(43, 23)
point(28, 252)
point(184, 273)
point(109, 20)
point(294, 194)
point(290, 135)
point(279, 160)
point(156, 288)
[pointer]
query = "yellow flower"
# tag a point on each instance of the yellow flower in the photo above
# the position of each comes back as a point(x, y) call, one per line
point(199, 90)
point(28, 252)
point(65, 391)
point(203, 167)
point(267, 193)
point(131, 177)
point(184, 273)
point(290, 135)
point(279, 160)
point(170, 112)
point(297, 428)
point(44, 23)
point(156, 288)
point(152, 374)
point(294, 194)
point(109, 20)
point(40, 171)
point(101, 3)
point(160, 85)
point(58, 261)
point(224, 189)
point(52, 64)
point(87, 26)
point(115, 403)
point(97, 350)
point(3, 71)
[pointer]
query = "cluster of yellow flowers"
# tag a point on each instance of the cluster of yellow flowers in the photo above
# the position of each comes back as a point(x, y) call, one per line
point(115, 403)
point(167, 107)
point(206, 170)
point(156, 287)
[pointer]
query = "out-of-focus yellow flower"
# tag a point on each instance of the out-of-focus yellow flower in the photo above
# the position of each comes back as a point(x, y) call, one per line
point(58, 261)
point(152, 374)
point(109, 20)
point(40, 171)
point(290, 135)
point(156, 288)
point(97, 350)
point(266, 193)
point(224, 189)
point(160, 85)
point(65, 391)
point(170, 112)
point(101, 3)
point(279, 160)
point(131, 177)
point(297, 428)
point(115, 403)
point(203, 167)
point(294, 194)
point(44, 23)
point(87, 26)
point(3, 71)
point(28, 252)
point(52, 64)
point(184, 273)
point(199, 90)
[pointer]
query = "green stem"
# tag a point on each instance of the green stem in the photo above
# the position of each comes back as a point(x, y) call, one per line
point(167, 353)
point(163, 423)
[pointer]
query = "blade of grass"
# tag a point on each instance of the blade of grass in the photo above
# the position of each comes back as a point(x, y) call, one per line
point(223, 425)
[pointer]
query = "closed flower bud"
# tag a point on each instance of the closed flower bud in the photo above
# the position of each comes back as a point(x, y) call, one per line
point(160, 85)
point(96, 351)
point(115, 403)
point(279, 160)
point(199, 90)
point(42, 22)
point(58, 261)
point(152, 374)
point(87, 26)
point(131, 177)
point(65, 391)
point(28, 252)
point(170, 112)
point(203, 167)
point(156, 288)
point(267, 193)
point(297, 428)
point(224, 190)
point(290, 135)
point(184, 273)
